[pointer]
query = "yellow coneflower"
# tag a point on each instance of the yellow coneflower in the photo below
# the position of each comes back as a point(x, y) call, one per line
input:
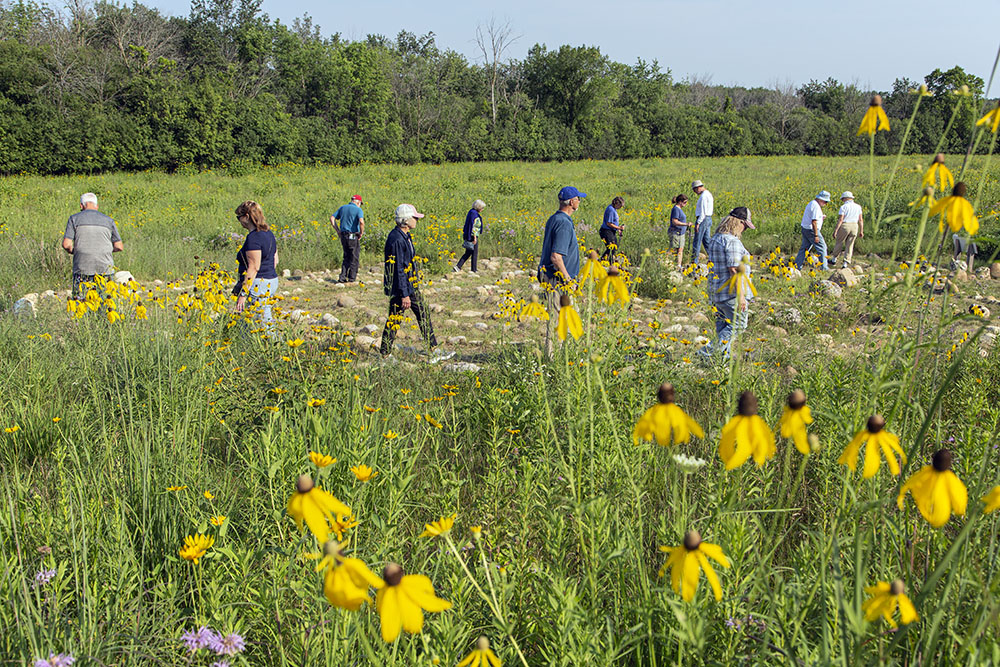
point(794, 419)
point(739, 283)
point(316, 402)
point(195, 547)
point(321, 460)
point(140, 312)
point(342, 525)
point(876, 439)
point(295, 343)
point(686, 562)
point(569, 319)
point(991, 120)
point(315, 507)
point(746, 434)
point(439, 527)
point(936, 490)
point(346, 580)
point(612, 288)
point(939, 172)
point(885, 599)
point(666, 421)
point(481, 656)
point(363, 472)
point(992, 500)
point(592, 270)
point(927, 197)
point(218, 520)
point(533, 309)
point(176, 488)
point(208, 495)
point(956, 211)
point(875, 118)
point(402, 601)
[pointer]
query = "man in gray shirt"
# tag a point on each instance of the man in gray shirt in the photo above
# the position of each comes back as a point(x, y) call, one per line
point(91, 237)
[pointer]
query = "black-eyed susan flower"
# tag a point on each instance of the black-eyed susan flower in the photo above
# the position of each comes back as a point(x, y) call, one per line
point(346, 580)
point(342, 525)
point(794, 419)
point(992, 500)
point(666, 421)
point(941, 173)
point(592, 270)
point(875, 439)
point(176, 488)
point(208, 495)
point(612, 288)
point(321, 460)
point(195, 547)
point(363, 472)
point(314, 506)
point(992, 119)
point(316, 402)
point(218, 520)
point(569, 319)
point(875, 118)
point(885, 599)
point(295, 342)
point(746, 434)
point(686, 562)
point(957, 211)
point(402, 601)
point(481, 656)
point(533, 309)
point(439, 527)
point(936, 490)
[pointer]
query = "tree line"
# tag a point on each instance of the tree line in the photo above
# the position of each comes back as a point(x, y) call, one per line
point(110, 87)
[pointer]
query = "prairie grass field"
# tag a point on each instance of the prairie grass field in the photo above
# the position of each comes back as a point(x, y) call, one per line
point(125, 435)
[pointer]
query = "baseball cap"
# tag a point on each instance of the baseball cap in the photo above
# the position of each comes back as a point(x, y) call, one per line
point(697, 184)
point(569, 192)
point(404, 211)
point(742, 213)
point(357, 198)
point(823, 195)
point(847, 195)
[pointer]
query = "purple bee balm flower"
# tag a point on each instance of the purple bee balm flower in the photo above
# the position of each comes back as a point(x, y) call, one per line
point(220, 663)
point(198, 639)
point(43, 577)
point(231, 644)
point(56, 660)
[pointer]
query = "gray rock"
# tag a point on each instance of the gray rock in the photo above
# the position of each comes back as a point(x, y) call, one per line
point(791, 372)
point(789, 316)
point(285, 273)
point(365, 341)
point(346, 302)
point(48, 294)
point(700, 318)
point(436, 308)
point(995, 270)
point(777, 331)
point(450, 323)
point(701, 340)
point(675, 278)
point(295, 315)
point(983, 272)
point(794, 273)
point(826, 288)
point(470, 313)
point(457, 340)
point(481, 326)
point(329, 320)
point(371, 329)
point(958, 265)
point(461, 367)
point(25, 306)
point(298, 290)
point(297, 273)
point(158, 282)
point(961, 276)
point(984, 312)
point(844, 277)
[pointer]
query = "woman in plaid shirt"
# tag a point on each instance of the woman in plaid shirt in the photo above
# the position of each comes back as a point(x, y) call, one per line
point(725, 289)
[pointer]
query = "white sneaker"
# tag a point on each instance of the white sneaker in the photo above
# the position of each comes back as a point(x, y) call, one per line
point(440, 355)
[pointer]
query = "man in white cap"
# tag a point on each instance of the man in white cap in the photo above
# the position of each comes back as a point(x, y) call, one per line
point(91, 237)
point(850, 226)
point(702, 227)
point(400, 279)
point(812, 226)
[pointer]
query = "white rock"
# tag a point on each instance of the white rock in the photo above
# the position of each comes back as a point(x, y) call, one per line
point(365, 341)
point(470, 313)
point(481, 326)
point(285, 273)
point(123, 277)
point(371, 329)
point(295, 315)
point(329, 320)
point(346, 302)
point(24, 307)
point(461, 367)
point(457, 340)
point(436, 308)
point(450, 323)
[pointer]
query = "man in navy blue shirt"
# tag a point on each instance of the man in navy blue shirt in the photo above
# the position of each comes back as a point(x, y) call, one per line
point(399, 281)
point(611, 229)
point(351, 227)
point(560, 261)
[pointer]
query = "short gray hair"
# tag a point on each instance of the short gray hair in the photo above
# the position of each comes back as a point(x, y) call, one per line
point(88, 198)
point(565, 202)
point(479, 204)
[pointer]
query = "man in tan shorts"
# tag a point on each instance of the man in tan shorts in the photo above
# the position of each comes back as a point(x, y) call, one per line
point(850, 226)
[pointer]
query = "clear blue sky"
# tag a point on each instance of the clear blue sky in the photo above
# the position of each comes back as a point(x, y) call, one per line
point(746, 42)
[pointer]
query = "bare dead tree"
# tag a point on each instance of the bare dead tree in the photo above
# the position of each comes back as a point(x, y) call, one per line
point(139, 35)
point(785, 98)
point(493, 40)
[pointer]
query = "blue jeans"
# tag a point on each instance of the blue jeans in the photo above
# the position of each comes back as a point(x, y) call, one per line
point(262, 290)
point(701, 238)
point(810, 243)
point(730, 322)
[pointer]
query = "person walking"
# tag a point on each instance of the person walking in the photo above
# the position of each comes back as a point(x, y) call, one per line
point(257, 261)
point(964, 246)
point(812, 226)
point(850, 226)
point(678, 227)
point(612, 229)
point(728, 256)
point(349, 221)
point(400, 280)
point(91, 238)
point(470, 235)
point(703, 211)
point(560, 260)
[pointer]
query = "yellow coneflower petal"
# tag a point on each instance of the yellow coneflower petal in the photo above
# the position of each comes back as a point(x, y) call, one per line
point(907, 613)
point(714, 551)
point(713, 578)
point(957, 493)
point(689, 576)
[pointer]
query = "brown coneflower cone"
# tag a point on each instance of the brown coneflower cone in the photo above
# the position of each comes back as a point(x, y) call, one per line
point(797, 399)
point(942, 460)
point(613, 271)
point(563, 300)
point(593, 255)
point(897, 587)
point(959, 190)
point(692, 540)
point(876, 101)
point(304, 484)
point(875, 423)
point(666, 393)
point(331, 548)
point(747, 405)
point(392, 574)
point(483, 644)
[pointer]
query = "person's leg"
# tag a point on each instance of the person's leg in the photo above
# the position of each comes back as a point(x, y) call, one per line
point(391, 325)
point(706, 235)
point(609, 238)
point(725, 325)
point(461, 262)
point(552, 303)
point(807, 240)
point(970, 259)
point(820, 245)
point(852, 236)
point(423, 317)
point(345, 256)
point(355, 246)
point(475, 258)
point(696, 244)
point(839, 237)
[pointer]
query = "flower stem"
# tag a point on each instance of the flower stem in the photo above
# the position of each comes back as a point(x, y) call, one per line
point(895, 164)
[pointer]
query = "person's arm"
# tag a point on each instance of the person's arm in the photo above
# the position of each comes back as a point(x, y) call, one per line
point(67, 245)
point(361, 229)
point(116, 239)
point(69, 237)
point(840, 223)
point(253, 266)
point(275, 259)
point(402, 279)
point(557, 260)
point(861, 225)
point(335, 221)
point(117, 246)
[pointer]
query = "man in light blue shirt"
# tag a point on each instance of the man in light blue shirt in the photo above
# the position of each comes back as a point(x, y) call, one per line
point(812, 226)
point(350, 229)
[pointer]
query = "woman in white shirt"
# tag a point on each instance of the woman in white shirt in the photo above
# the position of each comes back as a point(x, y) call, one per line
point(850, 226)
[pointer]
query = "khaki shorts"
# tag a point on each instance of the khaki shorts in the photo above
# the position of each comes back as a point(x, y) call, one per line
point(676, 241)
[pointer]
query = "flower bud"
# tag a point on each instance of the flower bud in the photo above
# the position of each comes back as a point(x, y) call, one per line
point(483, 644)
point(814, 444)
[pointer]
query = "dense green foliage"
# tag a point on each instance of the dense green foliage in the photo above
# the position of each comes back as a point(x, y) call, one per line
point(117, 87)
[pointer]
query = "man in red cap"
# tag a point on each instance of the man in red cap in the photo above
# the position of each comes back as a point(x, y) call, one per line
point(350, 229)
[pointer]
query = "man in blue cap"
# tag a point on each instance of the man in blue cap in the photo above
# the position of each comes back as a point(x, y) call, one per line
point(812, 225)
point(560, 261)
